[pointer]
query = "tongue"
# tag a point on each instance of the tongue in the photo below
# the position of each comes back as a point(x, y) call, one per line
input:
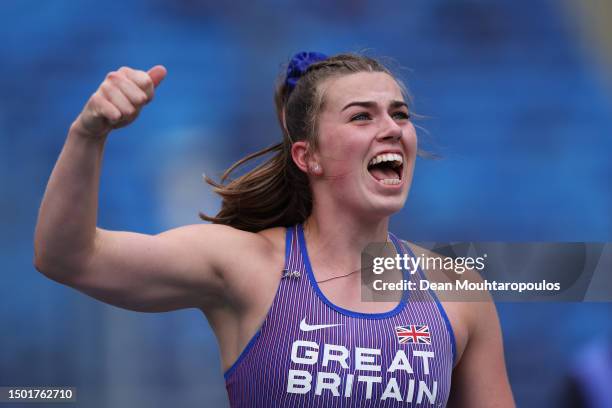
point(381, 173)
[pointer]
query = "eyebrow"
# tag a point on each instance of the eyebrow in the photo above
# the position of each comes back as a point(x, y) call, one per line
point(371, 104)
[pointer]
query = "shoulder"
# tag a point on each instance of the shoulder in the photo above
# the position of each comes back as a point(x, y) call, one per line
point(251, 263)
point(274, 238)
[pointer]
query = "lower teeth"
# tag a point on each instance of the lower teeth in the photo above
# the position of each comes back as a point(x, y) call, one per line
point(390, 181)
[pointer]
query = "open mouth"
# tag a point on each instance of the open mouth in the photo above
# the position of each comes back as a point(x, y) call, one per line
point(387, 168)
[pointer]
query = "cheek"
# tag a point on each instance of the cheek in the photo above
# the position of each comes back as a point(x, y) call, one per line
point(340, 150)
point(410, 140)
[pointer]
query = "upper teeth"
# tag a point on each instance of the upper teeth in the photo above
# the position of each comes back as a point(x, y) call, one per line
point(387, 157)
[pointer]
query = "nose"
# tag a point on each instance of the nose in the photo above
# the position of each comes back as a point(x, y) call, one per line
point(390, 130)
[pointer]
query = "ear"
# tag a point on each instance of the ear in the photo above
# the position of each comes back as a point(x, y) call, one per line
point(304, 159)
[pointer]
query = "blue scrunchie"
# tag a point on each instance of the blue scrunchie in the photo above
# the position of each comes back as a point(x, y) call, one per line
point(299, 64)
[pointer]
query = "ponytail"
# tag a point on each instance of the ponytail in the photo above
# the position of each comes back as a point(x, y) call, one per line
point(275, 193)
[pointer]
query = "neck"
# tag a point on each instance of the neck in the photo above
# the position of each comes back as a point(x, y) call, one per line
point(336, 239)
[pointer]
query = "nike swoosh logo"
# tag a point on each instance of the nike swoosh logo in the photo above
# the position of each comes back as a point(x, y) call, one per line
point(310, 327)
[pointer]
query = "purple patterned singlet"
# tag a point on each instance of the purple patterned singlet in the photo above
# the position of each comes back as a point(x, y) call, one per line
point(312, 353)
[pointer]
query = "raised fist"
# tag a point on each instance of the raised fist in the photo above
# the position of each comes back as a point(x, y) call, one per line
point(118, 100)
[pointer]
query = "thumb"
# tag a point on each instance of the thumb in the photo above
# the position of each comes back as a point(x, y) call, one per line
point(157, 74)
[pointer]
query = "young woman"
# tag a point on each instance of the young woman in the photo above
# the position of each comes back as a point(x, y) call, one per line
point(277, 273)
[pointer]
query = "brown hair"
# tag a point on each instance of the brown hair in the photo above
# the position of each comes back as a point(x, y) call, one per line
point(276, 192)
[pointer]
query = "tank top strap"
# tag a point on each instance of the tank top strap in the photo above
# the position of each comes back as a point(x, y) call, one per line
point(429, 296)
point(405, 249)
point(294, 266)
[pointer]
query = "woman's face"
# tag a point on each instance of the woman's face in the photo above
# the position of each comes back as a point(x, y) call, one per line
point(367, 144)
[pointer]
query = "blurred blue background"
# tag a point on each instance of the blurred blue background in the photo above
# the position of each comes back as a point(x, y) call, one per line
point(518, 99)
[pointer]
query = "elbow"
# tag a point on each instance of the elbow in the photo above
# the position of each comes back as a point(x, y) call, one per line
point(38, 261)
point(45, 268)
point(38, 265)
point(40, 258)
point(55, 270)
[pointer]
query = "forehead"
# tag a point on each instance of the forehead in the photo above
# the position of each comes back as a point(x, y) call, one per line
point(360, 86)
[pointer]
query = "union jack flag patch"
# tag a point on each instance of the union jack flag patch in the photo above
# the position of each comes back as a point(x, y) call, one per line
point(417, 334)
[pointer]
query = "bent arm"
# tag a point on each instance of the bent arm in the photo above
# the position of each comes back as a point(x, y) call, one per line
point(185, 267)
point(66, 227)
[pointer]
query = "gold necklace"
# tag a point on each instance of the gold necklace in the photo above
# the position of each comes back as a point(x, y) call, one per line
point(336, 277)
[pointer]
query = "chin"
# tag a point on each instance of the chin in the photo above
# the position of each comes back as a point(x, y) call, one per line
point(385, 207)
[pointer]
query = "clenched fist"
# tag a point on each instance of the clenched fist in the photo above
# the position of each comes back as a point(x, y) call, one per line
point(118, 100)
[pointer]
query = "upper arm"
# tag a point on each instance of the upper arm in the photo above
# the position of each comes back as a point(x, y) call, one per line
point(480, 379)
point(190, 266)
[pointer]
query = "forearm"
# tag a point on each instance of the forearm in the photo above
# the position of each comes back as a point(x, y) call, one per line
point(66, 226)
point(65, 236)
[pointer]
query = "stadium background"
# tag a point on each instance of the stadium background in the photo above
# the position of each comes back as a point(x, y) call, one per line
point(517, 99)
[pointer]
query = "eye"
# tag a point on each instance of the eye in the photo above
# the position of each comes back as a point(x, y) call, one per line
point(401, 115)
point(361, 116)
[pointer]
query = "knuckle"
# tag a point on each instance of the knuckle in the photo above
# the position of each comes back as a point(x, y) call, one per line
point(146, 79)
point(114, 117)
point(95, 99)
point(129, 110)
point(142, 99)
point(115, 77)
point(106, 88)
point(114, 113)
